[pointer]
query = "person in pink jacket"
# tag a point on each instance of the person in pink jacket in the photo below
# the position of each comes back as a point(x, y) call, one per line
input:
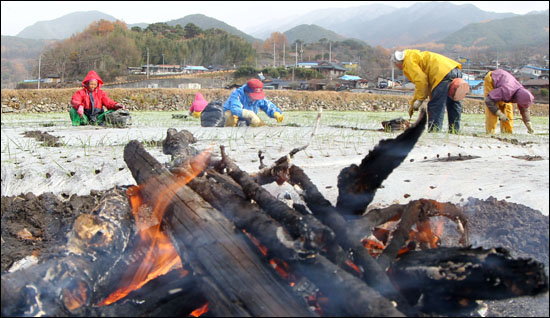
point(501, 89)
point(87, 103)
point(198, 106)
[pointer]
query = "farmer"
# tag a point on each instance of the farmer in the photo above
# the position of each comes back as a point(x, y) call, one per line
point(501, 89)
point(197, 106)
point(244, 102)
point(432, 74)
point(87, 103)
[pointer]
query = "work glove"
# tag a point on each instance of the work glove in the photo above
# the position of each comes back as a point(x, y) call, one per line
point(278, 116)
point(252, 118)
point(415, 106)
point(80, 110)
point(502, 116)
point(529, 127)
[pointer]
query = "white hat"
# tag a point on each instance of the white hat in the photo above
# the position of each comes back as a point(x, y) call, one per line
point(398, 56)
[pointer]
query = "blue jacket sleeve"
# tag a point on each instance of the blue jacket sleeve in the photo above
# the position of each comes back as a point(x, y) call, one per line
point(234, 103)
point(269, 108)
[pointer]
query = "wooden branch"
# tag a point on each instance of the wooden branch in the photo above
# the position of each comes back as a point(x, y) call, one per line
point(316, 234)
point(341, 286)
point(221, 258)
point(374, 275)
point(451, 279)
point(418, 212)
point(66, 284)
point(357, 185)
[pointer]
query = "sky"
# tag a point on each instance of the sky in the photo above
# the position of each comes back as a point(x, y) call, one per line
point(244, 15)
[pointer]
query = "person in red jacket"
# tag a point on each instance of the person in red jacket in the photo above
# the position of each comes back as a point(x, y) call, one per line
point(87, 103)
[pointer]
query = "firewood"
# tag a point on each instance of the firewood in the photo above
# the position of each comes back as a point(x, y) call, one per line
point(66, 283)
point(333, 282)
point(316, 234)
point(419, 211)
point(220, 258)
point(357, 185)
point(449, 280)
point(374, 275)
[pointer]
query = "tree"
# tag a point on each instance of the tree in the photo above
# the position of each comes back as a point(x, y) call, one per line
point(191, 30)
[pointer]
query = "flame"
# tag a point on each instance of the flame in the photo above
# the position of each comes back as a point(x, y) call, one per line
point(199, 311)
point(75, 297)
point(161, 256)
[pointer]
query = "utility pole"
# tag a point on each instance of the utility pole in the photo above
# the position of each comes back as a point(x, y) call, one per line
point(39, 60)
point(301, 52)
point(329, 52)
point(273, 52)
point(147, 63)
point(284, 47)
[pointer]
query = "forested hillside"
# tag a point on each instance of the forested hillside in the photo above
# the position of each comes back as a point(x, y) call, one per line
point(110, 48)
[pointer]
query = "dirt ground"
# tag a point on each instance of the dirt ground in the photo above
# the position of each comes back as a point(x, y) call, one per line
point(35, 225)
point(51, 174)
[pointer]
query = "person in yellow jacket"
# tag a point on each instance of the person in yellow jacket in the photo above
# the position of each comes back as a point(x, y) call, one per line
point(431, 74)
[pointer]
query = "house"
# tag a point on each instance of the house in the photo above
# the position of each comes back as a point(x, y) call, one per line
point(51, 78)
point(307, 64)
point(350, 66)
point(476, 87)
point(160, 69)
point(535, 85)
point(330, 70)
point(194, 69)
point(533, 71)
point(349, 81)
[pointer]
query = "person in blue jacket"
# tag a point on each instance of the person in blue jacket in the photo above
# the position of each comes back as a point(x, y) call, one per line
point(244, 102)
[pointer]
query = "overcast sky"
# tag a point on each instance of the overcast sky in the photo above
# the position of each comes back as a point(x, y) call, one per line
point(17, 15)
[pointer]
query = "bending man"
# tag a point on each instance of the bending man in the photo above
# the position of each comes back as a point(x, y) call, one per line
point(244, 103)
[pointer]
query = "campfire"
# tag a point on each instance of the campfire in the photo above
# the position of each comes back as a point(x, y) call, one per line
point(199, 236)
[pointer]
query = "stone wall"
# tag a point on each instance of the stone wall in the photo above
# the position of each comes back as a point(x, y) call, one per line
point(58, 100)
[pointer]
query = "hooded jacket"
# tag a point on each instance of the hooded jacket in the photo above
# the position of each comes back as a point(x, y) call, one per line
point(426, 70)
point(82, 98)
point(506, 88)
point(238, 100)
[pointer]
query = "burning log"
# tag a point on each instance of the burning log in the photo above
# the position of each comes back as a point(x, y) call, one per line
point(358, 184)
point(347, 294)
point(316, 234)
point(65, 284)
point(221, 259)
point(418, 212)
point(167, 295)
point(450, 280)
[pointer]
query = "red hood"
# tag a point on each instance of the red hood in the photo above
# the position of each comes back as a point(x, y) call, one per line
point(92, 75)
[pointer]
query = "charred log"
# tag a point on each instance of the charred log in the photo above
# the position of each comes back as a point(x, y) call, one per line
point(358, 184)
point(373, 274)
point(341, 287)
point(316, 234)
point(167, 295)
point(221, 259)
point(65, 284)
point(418, 212)
point(450, 280)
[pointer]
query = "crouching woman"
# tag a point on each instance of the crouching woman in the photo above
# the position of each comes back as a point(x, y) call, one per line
point(87, 103)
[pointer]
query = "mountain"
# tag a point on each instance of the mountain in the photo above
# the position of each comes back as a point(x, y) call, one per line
point(334, 19)
point(420, 23)
point(63, 27)
point(528, 30)
point(205, 22)
point(311, 33)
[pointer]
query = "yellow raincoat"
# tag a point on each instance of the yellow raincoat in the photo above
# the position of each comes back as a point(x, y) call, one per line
point(426, 70)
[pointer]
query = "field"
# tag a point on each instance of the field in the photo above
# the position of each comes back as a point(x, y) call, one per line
point(442, 166)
